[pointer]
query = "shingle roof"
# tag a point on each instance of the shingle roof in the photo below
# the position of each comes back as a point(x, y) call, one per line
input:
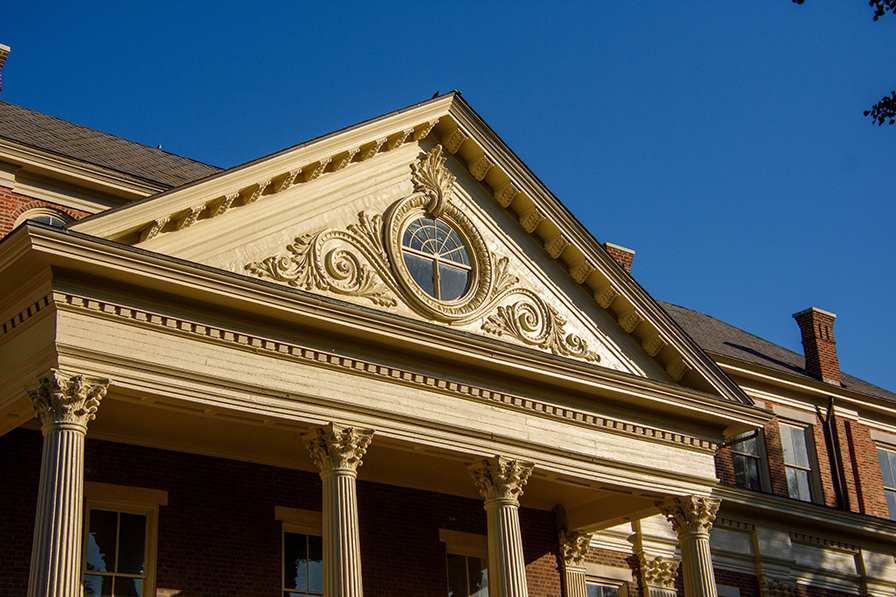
point(717, 337)
point(101, 149)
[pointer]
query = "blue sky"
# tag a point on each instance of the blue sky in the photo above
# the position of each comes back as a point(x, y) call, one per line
point(723, 141)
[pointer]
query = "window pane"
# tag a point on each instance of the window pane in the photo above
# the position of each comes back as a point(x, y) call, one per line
point(610, 592)
point(885, 469)
point(799, 448)
point(97, 586)
point(131, 544)
point(787, 444)
point(453, 282)
point(315, 564)
point(127, 587)
point(593, 590)
point(478, 575)
point(891, 504)
point(421, 271)
point(798, 484)
point(746, 472)
point(457, 575)
point(101, 541)
point(746, 446)
point(295, 563)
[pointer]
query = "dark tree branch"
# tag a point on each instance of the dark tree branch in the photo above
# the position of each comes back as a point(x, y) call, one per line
point(884, 109)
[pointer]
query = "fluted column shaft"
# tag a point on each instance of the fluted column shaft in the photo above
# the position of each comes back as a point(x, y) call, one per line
point(64, 403)
point(501, 482)
point(337, 452)
point(692, 518)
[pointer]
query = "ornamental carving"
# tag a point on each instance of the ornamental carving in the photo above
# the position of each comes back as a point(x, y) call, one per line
point(501, 478)
point(535, 323)
point(776, 587)
point(690, 514)
point(659, 571)
point(336, 447)
point(367, 261)
point(65, 398)
point(574, 546)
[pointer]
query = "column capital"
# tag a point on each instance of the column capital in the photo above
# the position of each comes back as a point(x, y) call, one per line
point(659, 572)
point(500, 477)
point(573, 547)
point(336, 447)
point(690, 514)
point(770, 586)
point(65, 398)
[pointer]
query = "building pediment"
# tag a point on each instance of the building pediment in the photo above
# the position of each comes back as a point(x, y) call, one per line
point(423, 214)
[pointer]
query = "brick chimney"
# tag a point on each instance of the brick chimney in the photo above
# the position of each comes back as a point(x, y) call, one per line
point(819, 346)
point(4, 52)
point(621, 255)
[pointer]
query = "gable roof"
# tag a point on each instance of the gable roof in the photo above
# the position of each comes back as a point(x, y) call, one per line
point(95, 147)
point(718, 337)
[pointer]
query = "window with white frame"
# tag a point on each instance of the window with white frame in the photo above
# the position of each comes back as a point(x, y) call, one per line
point(119, 549)
point(797, 461)
point(601, 589)
point(888, 472)
point(746, 455)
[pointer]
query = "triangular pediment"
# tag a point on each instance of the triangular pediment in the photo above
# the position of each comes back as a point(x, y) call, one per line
point(423, 214)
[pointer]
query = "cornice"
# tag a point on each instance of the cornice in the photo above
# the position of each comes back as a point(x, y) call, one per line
point(209, 285)
point(266, 176)
point(785, 513)
point(58, 167)
point(813, 388)
point(356, 366)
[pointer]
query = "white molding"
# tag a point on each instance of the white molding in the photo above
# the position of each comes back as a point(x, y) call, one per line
point(464, 544)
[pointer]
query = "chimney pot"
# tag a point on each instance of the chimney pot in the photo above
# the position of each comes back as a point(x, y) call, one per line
point(621, 255)
point(817, 328)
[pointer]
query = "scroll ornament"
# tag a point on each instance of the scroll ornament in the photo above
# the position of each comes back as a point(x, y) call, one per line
point(356, 262)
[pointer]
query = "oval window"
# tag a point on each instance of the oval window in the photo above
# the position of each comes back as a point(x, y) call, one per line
point(437, 259)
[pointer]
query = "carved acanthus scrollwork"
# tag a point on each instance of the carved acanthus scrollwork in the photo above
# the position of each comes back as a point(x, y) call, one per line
point(690, 514)
point(366, 261)
point(500, 477)
point(65, 398)
point(574, 546)
point(659, 571)
point(433, 179)
point(311, 265)
point(776, 587)
point(337, 447)
point(535, 323)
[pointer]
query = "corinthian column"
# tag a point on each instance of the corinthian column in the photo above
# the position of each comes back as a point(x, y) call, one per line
point(692, 517)
point(573, 547)
point(64, 404)
point(500, 481)
point(337, 451)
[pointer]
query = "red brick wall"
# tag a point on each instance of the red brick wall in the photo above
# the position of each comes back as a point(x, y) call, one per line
point(775, 454)
point(869, 485)
point(12, 205)
point(747, 583)
point(218, 535)
point(619, 560)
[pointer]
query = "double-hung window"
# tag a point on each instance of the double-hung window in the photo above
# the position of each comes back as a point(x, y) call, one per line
point(888, 472)
point(797, 463)
point(747, 459)
point(303, 572)
point(467, 576)
point(120, 529)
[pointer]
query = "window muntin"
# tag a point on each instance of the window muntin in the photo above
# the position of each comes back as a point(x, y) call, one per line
point(303, 574)
point(796, 462)
point(437, 259)
point(601, 590)
point(467, 576)
point(747, 460)
point(115, 553)
point(887, 460)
